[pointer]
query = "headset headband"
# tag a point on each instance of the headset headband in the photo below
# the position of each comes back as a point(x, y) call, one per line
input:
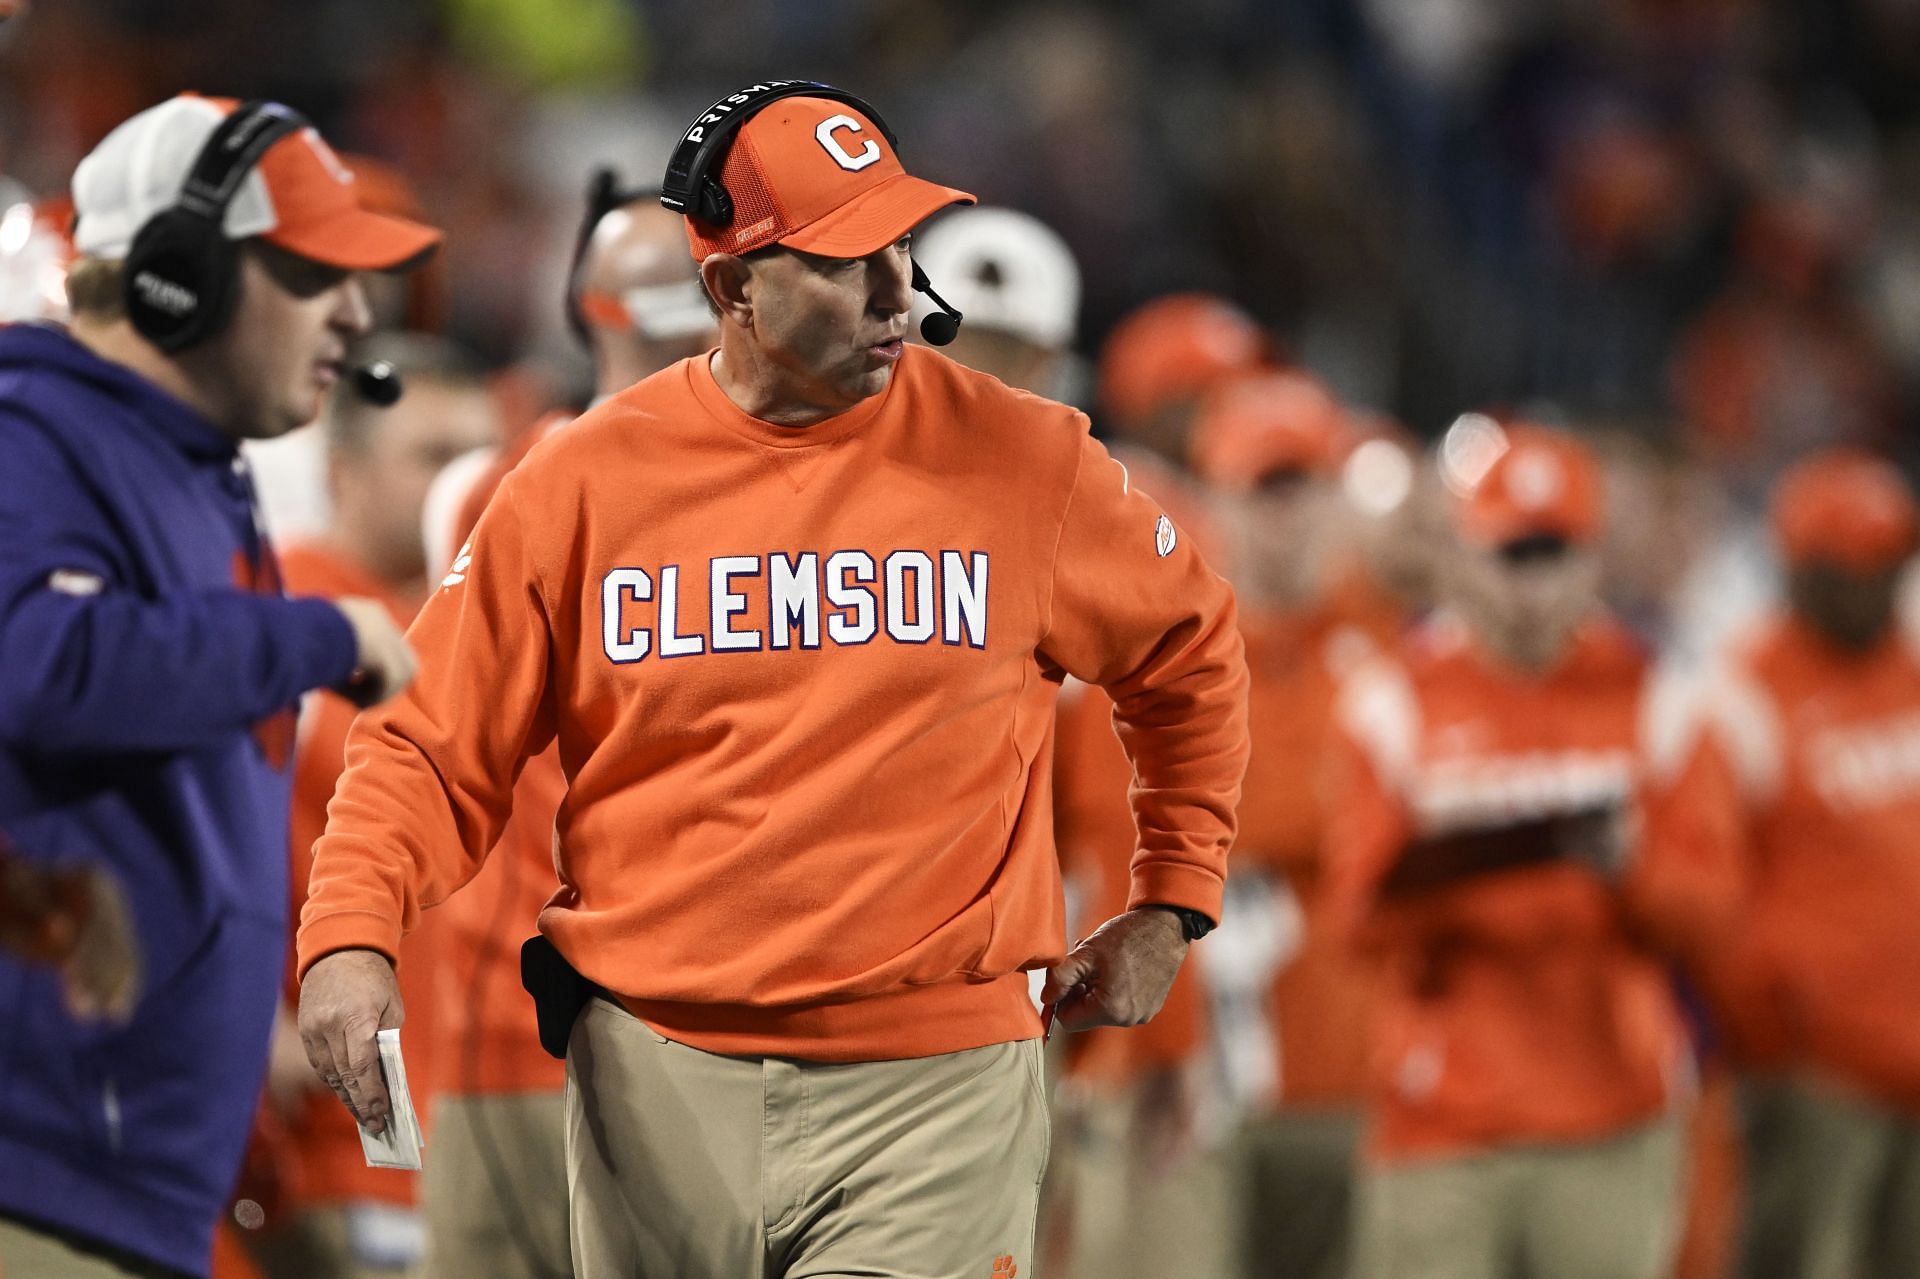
point(231, 153)
point(605, 193)
point(688, 189)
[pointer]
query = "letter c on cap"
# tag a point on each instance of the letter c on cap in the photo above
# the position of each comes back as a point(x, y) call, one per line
point(852, 163)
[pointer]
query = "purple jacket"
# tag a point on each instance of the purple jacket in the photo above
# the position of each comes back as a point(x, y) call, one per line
point(149, 668)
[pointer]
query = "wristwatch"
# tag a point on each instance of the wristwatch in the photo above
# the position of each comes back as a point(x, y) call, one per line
point(1193, 925)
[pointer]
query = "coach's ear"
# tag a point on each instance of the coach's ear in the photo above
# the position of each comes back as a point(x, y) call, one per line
point(727, 277)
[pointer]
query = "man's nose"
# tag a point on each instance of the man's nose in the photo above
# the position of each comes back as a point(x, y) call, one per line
point(891, 274)
point(352, 313)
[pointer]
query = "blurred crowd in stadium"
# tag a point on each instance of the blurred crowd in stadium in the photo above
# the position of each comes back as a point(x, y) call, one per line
point(1439, 324)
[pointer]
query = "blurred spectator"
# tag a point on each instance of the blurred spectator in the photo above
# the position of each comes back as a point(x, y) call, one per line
point(1016, 282)
point(336, 1218)
point(35, 250)
point(1822, 712)
point(1292, 1004)
point(1525, 833)
point(1161, 361)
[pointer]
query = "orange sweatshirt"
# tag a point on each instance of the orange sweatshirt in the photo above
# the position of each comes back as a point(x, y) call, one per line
point(799, 679)
point(1828, 961)
point(1535, 1003)
point(485, 1018)
point(316, 1152)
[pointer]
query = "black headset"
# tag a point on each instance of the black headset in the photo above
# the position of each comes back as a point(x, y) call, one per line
point(692, 186)
point(182, 273)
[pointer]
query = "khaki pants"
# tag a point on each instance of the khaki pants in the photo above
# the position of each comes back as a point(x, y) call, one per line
point(1604, 1210)
point(1293, 1176)
point(1833, 1185)
point(1129, 1221)
point(495, 1188)
point(687, 1165)
point(28, 1254)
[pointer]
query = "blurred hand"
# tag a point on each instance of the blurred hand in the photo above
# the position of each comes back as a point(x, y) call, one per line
point(101, 976)
point(77, 921)
point(345, 1000)
point(385, 664)
point(1121, 974)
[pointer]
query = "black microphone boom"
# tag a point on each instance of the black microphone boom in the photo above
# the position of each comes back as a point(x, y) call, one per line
point(378, 383)
point(937, 327)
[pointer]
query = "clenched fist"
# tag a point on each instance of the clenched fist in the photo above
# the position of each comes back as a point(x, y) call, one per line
point(1121, 974)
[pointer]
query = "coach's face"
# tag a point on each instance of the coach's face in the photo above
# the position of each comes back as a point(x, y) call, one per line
point(272, 366)
point(833, 327)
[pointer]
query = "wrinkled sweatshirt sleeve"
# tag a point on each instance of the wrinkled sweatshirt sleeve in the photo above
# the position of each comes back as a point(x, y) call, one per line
point(430, 775)
point(90, 664)
point(1135, 610)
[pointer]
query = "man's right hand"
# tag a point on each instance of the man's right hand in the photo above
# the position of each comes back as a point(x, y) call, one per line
point(347, 998)
point(385, 664)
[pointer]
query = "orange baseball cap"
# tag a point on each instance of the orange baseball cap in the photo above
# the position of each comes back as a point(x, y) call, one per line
point(1174, 347)
point(1845, 506)
point(1263, 423)
point(299, 197)
point(816, 175)
point(1544, 484)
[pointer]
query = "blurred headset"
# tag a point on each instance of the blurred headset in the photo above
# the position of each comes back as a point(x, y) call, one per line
point(693, 189)
point(182, 274)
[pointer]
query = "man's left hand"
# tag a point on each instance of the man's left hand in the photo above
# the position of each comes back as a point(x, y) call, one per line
point(1121, 974)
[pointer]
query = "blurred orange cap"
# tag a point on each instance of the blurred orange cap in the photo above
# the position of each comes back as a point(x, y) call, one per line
point(1263, 423)
point(1845, 506)
point(1544, 484)
point(1176, 346)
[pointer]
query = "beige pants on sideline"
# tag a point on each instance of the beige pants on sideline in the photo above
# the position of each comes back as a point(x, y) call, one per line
point(494, 1188)
point(1602, 1210)
point(687, 1165)
point(28, 1254)
point(1135, 1222)
point(1833, 1185)
point(1293, 1174)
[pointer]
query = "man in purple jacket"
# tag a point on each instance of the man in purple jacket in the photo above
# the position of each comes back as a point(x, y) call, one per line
point(150, 664)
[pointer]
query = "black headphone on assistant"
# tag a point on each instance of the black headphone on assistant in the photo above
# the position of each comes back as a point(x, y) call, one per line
point(692, 186)
point(605, 193)
point(182, 274)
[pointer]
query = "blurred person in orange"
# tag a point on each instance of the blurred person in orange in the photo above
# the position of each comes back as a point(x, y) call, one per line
point(1821, 711)
point(1527, 830)
point(1015, 280)
point(36, 248)
point(1163, 358)
point(495, 1191)
point(1291, 1002)
point(333, 1216)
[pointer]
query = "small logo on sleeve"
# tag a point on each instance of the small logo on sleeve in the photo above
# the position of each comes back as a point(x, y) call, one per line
point(73, 581)
point(458, 572)
point(1164, 538)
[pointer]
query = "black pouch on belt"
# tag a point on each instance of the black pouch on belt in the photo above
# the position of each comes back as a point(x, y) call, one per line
point(559, 992)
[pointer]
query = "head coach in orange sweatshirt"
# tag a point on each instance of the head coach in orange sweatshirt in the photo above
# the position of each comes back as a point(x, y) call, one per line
point(795, 612)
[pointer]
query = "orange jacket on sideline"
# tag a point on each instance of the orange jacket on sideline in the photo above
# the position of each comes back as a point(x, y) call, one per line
point(799, 679)
point(1828, 965)
point(1534, 1004)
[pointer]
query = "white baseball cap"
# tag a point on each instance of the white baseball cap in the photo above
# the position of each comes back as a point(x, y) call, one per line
point(299, 197)
point(1005, 270)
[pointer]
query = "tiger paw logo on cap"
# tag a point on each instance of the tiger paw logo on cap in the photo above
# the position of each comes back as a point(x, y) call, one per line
point(1164, 537)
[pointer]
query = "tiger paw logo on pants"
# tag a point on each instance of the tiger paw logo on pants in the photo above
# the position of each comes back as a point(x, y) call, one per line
point(1003, 1268)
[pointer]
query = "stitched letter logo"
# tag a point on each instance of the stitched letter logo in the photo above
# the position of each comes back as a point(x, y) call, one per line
point(869, 151)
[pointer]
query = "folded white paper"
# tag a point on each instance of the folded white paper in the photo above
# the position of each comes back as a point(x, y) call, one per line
point(398, 1146)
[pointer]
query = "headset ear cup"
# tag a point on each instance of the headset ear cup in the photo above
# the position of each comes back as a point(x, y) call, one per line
point(716, 206)
point(179, 280)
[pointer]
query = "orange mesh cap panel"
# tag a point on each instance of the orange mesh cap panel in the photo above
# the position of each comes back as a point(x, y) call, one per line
point(816, 175)
point(1175, 347)
point(1259, 425)
point(1847, 507)
point(1546, 483)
